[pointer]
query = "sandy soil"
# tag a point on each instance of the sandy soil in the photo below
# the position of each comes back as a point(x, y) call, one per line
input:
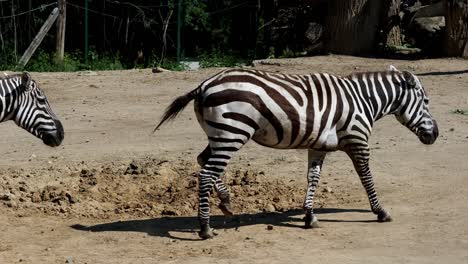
point(115, 193)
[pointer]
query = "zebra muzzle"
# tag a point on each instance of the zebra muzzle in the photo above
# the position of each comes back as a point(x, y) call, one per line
point(429, 137)
point(54, 138)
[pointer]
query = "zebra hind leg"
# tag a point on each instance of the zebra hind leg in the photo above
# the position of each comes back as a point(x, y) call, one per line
point(360, 157)
point(315, 161)
point(220, 187)
point(209, 175)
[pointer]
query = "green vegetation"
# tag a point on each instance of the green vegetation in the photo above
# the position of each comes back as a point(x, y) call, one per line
point(217, 58)
point(460, 112)
point(45, 62)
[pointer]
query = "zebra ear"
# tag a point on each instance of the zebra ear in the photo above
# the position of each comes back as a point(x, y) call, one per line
point(409, 78)
point(26, 80)
point(392, 68)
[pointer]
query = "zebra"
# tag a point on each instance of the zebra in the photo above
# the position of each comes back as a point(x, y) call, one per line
point(319, 112)
point(23, 101)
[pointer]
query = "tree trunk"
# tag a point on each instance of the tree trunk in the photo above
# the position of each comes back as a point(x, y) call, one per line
point(456, 21)
point(393, 34)
point(353, 26)
point(60, 40)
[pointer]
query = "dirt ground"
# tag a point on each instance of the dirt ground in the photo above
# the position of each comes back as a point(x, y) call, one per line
point(115, 193)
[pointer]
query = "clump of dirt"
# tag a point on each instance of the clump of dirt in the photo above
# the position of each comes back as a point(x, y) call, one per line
point(146, 187)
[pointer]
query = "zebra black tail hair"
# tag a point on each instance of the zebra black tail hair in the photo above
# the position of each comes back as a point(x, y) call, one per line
point(177, 106)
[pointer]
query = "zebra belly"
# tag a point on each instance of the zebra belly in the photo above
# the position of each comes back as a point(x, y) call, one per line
point(267, 138)
point(239, 120)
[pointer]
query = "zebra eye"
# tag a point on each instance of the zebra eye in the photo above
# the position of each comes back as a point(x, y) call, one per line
point(41, 100)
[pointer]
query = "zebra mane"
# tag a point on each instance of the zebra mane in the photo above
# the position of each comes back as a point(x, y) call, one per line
point(7, 76)
point(353, 74)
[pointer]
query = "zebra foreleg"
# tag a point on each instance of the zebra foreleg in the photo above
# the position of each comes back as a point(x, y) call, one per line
point(209, 175)
point(359, 154)
point(315, 161)
point(220, 187)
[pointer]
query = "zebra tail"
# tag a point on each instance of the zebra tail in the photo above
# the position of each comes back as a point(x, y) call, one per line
point(177, 106)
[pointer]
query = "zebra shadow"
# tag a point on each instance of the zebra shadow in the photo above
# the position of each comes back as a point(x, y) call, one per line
point(166, 226)
point(438, 73)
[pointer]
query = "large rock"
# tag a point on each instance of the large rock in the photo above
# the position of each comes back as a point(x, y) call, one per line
point(427, 34)
point(433, 10)
point(429, 25)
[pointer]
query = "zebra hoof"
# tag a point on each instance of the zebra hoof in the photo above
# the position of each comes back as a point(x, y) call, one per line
point(207, 233)
point(311, 222)
point(226, 209)
point(384, 216)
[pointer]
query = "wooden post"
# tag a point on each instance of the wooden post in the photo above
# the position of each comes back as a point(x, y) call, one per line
point(38, 39)
point(61, 22)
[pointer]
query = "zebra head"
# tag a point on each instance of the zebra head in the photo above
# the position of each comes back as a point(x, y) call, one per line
point(33, 113)
point(413, 111)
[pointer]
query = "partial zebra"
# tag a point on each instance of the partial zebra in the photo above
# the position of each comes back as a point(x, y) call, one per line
point(22, 101)
point(318, 112)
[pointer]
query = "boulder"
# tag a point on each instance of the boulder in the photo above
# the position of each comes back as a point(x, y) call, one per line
point(427, 34)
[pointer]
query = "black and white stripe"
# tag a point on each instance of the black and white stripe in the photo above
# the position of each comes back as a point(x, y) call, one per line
point(22, 101)
point(319, 112)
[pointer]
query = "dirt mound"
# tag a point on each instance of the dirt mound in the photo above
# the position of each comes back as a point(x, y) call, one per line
point(146, 187)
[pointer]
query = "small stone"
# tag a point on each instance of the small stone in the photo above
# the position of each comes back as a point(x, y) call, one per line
point(192, 183)
point(327, 189)
point(36, 197)
point(69, 260)
point(170, 212)
point(84, 172)
point(236, 181)
point(159, 69)
point(71, 198)
point(7, 197)
point(270, 208)
point(11, 204)
point(452, 129)
point(269, 227)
